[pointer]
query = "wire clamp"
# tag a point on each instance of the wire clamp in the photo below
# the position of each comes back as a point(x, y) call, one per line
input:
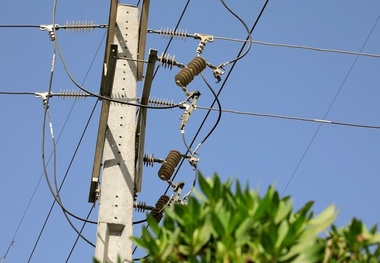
point(203, 39)
point(44, 96)
point(51, 30)
point(193, 161)
point(177, 193)
point(217, 71)
point(189, 108)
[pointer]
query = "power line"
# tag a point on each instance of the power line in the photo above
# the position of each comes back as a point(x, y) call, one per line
point(16, 93)
point(56, 199)
point(328, 110)
point(59, 136)
point(317, 49)
point(302, 47)
point(265, 43)
point(19, 26)
point(69, 114)
point(79, 235)
point(249, 37)
point(292, 118)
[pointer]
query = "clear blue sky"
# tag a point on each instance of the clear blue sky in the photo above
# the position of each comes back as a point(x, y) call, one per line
point(327, 163)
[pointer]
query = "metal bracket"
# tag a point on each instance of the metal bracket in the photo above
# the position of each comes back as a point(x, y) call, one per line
point(50, 29)
point(141, 121)
point(217, 71)
point(203, 39)
point(176, 194)
point(44, 96)
point(105, 90)
point(189, 108)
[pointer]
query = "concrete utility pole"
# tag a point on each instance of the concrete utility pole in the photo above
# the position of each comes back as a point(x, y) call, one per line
point(116, 140)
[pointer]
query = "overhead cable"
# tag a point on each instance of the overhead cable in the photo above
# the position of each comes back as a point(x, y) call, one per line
point(81, 230)
point(327, 112)
point(249, 37)
point(53, 204)
point(323, 121)
point(266, 43)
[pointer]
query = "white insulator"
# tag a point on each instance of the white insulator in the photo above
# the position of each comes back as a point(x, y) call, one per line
point(157, 102)
point(79, 26)
point(176, 33)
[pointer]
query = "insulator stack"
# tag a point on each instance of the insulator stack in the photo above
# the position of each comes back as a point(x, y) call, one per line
point(79, 26)
point(167, 61)
point(186, 75)
point(142, 206)
point(201, 47)
point(156, 102)
point(159, 208)
point(65, 94)
point(149, 160)
point(176, 33)
point(168, 167)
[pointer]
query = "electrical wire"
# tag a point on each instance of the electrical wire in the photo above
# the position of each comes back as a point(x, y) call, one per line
point(76, 240)
point(16, 93)
point(292, 118)
point(220, 90)
point(212, 129)
point(346, 52)
point(317, 49)
point(64, 125)
point(46, 105)
point(56, 195)
point(47, 116)
point(216, 98)
point(249, 39)
point(327, 112)
point(265, 43)
point(15, 26)
point(52, 206)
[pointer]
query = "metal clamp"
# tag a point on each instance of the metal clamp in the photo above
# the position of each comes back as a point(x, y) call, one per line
point(50, 29)
point(203, 39)
point(189, 108)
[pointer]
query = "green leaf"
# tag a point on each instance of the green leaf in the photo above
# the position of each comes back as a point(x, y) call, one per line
point(205, 186)
point(323, 220)
point(153, 224)
point(243, 234)
point(283, 211)
point(217, 226)
point(282, 233)
point(201, 236)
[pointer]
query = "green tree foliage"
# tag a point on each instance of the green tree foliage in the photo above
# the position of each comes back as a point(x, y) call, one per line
point(224, 225)
point(352, 244)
